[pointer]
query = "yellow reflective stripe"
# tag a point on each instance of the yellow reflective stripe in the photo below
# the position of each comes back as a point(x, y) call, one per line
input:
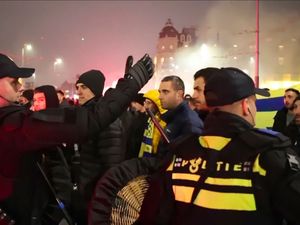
point(170, 167)
point(214, 142)
point(183, 193)
point(229, 181)
point(185, 176)
point(257, 168)
point(225, 201)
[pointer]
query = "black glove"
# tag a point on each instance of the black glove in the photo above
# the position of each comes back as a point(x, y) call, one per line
point(142, 71)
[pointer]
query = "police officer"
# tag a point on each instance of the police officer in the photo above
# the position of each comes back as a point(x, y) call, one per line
point(23, 131)
point(233, 173)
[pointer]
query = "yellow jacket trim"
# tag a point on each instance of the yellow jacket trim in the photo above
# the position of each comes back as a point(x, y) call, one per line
point(214, 142)
point(257, 168)
point(225, 201)
point(229, 182)
point(185, 176)
point(183, 193)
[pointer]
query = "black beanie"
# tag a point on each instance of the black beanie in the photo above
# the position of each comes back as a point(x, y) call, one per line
point(94, 80)
point(139, 98)
point(50, 95)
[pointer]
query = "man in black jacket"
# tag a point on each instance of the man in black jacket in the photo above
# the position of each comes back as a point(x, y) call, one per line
point(23, 131)
point(103, 150)
point(285, 115)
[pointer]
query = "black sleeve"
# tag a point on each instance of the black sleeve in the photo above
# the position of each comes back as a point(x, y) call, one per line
point(284, 182)
point(69, 125)
point(115, 102)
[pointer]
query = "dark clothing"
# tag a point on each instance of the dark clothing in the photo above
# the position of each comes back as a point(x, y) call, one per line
point(230, 174)
point(180, 121)
point(293, 132)
point(101, 152)
point(22, 131)
point(202, 114)
point(280, 120)
point(134, 125)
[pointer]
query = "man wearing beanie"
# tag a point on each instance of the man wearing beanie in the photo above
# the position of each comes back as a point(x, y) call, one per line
point(103, 150)
point(90, 85)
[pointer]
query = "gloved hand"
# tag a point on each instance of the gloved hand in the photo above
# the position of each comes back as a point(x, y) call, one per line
point(142, 71)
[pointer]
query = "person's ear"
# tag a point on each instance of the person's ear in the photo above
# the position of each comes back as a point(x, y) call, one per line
point(245, 107)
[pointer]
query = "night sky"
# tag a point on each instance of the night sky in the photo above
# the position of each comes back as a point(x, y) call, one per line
point(101, 34)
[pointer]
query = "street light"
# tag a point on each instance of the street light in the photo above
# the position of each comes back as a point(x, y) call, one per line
point(58, 61)
point(26, 47)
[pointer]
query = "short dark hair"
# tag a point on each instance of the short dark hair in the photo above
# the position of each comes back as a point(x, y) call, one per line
point(60, 92)
point(176, 81)
point(206, 73)
point(293, 90)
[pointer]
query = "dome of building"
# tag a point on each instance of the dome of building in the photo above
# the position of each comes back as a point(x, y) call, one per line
point(168, 30)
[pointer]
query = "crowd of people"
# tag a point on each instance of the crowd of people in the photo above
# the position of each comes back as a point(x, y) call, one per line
point(212, 166)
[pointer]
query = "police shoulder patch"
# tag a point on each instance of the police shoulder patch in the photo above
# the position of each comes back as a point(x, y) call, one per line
point(268, 131)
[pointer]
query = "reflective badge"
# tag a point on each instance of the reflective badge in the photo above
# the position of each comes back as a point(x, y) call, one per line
point(268, 131)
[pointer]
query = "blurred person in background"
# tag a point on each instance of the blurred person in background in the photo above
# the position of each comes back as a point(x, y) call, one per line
point(293, 129)
point(63, 102)
point(285, 115)
point(200, 78)
point(152, 136)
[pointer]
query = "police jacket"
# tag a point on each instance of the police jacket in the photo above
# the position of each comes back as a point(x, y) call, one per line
point(231, 174)
point(103, 150)
point(22, 131)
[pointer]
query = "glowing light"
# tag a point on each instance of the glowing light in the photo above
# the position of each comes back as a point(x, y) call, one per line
point(204, 52)
point(58, 61)
point(235, 46)
point(252, 60)
point(28, 47)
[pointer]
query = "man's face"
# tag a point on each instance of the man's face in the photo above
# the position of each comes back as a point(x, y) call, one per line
point(198, 95)
point(288, 99)
point(168, 96)
point(9, 89)
point(39, 101)
point(296, 112)
point(85, 94)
